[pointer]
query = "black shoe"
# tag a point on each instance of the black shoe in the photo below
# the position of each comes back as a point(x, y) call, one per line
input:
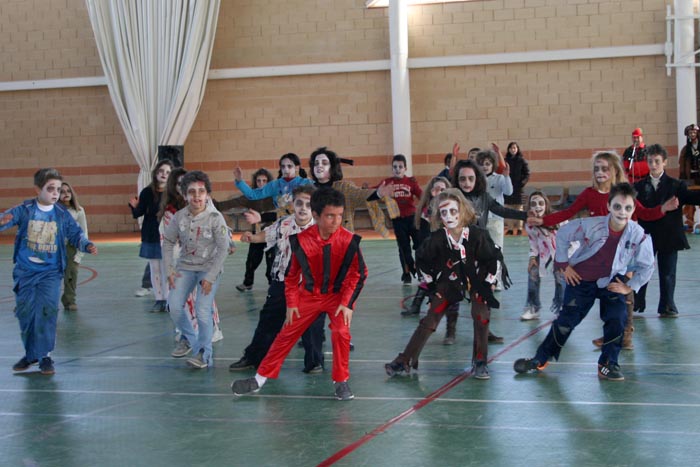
point(160, 306)
point(669, 313)
point(481, 371)
point(414, 307)
point(240, 365)
point(611, 372)
point(352, 346)
point(406, 278)
point(241, 387)
point(243, 287)
point(494, 339)
point(343, 392)
point(23, 364)
point(313, 371)
point(396, 368)
point(46, 366)
point(525, 365)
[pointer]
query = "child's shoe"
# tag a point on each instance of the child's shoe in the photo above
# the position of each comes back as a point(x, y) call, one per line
point(46, 366)
point(23, 364)
point(529, 313)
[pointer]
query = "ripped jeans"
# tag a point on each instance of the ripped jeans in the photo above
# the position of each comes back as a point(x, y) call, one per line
point(578, 300)
point(533, 288)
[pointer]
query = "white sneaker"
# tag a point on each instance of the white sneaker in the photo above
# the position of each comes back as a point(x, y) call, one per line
point(217, 336)
point(142, 292)
point(529, 313)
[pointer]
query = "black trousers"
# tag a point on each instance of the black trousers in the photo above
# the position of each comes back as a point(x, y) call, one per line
point(256, 252)
point(405, 231)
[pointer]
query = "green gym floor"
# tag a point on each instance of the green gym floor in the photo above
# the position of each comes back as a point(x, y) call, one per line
point(119, 399)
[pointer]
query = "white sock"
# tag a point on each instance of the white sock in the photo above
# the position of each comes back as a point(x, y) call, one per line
point(260, 379)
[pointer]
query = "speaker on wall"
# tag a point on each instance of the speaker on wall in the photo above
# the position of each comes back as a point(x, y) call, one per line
point(176, 154)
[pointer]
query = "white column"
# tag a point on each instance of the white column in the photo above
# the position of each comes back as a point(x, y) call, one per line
point(400, 92)
point(684, 58)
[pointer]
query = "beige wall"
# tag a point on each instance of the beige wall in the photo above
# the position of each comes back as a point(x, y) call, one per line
point(559, 112)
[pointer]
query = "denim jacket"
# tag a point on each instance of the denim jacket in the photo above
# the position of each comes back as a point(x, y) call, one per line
point(68, 229)
point(634, 251)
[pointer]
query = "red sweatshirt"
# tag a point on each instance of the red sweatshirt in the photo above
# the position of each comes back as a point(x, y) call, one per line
point(333, 266)
point(404, 190)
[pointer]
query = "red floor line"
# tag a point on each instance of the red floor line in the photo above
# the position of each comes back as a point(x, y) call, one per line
point(425, 401)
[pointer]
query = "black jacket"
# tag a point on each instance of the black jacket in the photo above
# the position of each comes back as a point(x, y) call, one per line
point(667, 233)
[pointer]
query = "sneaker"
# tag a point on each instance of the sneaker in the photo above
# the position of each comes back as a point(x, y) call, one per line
point(598, 342)
point(217, 336)
point(529, 313)
point(448, 340)
point(352, 347)
point(525, 365)
point(71, 307)
point(494, 339)
point(243, 287)
point(197, 361)
point(241, 387)
point(23, 364)
point(46, 366)
point(182, 349)
point(343, 392)
point(240, 365)
point(159, 306)
point(406, 278)
point(481, 371)
point(142, 292)
point(396, 368)
point(314, 371)
point(611, 372)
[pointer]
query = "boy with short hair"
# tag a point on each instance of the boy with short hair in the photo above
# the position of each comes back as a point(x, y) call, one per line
point(40, 260)
point(203, 236)
point(326, 275)
point(667, 234)
point(405, 191)
point(610, 246)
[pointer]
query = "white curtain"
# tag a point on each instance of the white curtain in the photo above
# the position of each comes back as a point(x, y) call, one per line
point(155, 55)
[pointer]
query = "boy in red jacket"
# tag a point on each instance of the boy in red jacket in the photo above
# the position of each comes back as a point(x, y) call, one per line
point(326, 275)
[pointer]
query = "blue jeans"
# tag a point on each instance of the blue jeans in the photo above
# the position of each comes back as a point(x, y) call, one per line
point(533, 289)
point(578, 300)
point(36, 309)
point(184, 285)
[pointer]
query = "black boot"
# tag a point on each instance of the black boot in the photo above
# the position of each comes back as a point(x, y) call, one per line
point(414, 308)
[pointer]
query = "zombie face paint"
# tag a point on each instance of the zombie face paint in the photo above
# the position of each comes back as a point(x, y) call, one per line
point(398, 169)
point(537, 205)
point(621, 209)
point(466, 179)
point(197, 197)
point(322, 168)
point(288, 168)
point(601, 171)
point(449, 213)
point(302, 209)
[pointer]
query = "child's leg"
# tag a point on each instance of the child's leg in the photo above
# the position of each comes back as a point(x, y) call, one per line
point(340, 338)
point(312, 339)
point(256, 251)
point(158, 279)
point(667, 281)
point(481, 315)
point(37, 309)
point(614, 316)
point(559, 287)
point(70, 277)
point(533, 284)
point(205, 324)
point(270, 321)
point(402, 227)
point(185, 282)
point(288, 337)
point(425, 329)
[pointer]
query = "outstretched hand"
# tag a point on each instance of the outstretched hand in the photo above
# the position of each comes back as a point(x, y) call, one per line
point(7, 217)
point(133, 202)
point(670, 205)
point(92, 249)
point(252, 216)
point(237, 174)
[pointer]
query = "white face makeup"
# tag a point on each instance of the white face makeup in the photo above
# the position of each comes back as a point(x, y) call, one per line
point(601, 171)
point(49, 193)
point(487, 166)
point(657, 164)
point(693, 135)
point(437, 188)
point(466, 179)
point(621, 209)
point(177, 186)
point(162, 174)
point(322, 168)
point(260, 181)
point(537, 205)
point(288, 168)
point(197, 197)
point(449, 213)
point(302, 209)
point(398, 169)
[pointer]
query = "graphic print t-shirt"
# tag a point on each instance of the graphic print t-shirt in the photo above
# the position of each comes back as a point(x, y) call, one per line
point(39, 248)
